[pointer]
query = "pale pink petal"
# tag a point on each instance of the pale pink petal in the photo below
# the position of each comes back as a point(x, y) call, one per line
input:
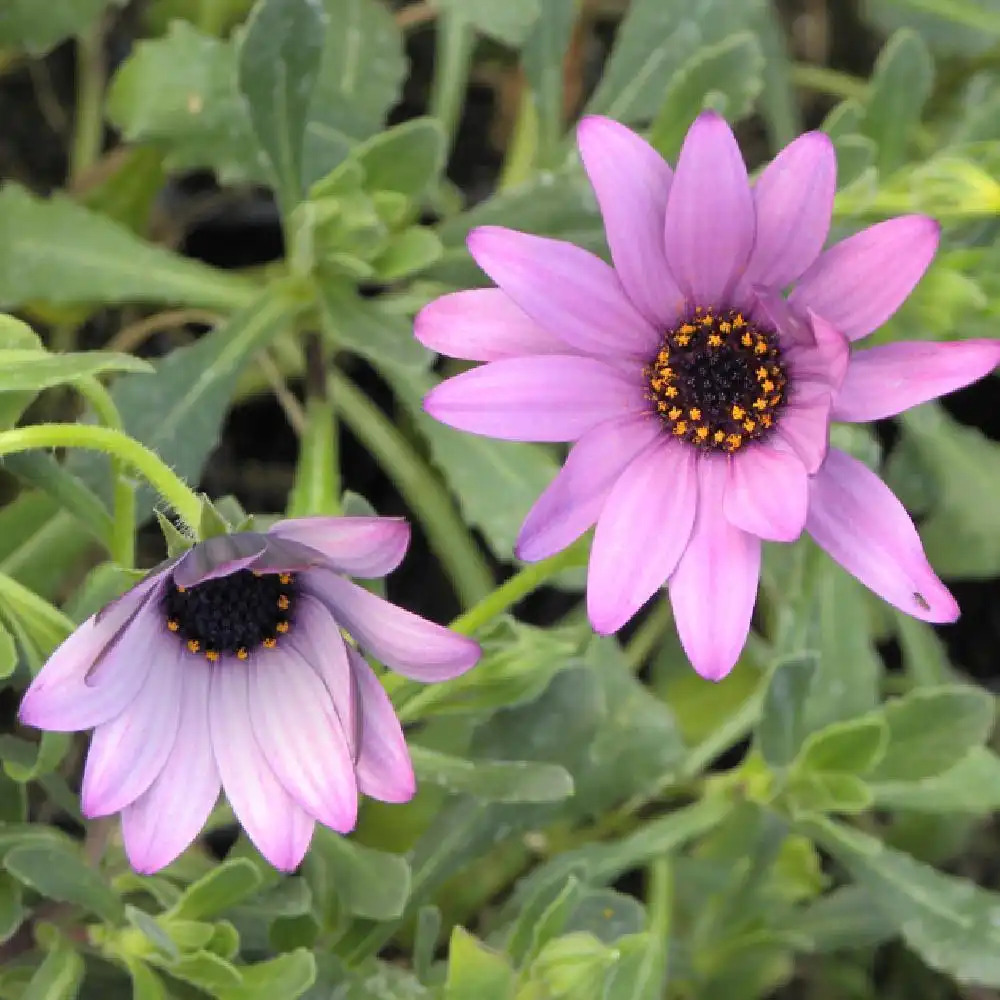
point(857, 519)
point(769, 309)
point(825, 361)
point(384, 768)
point(96, 672)
point(217, 557)
point(317, 638)
point(357, 546)
point(276, 824)
point(402, 640)
point(767, 494)
point(804, 425)
point(301, 736)
point(883, 381)
point(573, 500)
point(168, 816)
point(714, 587)
point(483, 324)
point(859, 283)
point(793, 198)
point(632, 181)
point(709, 224)
point(127, 753)
point(566, 289)
point(554, 398)
point(642, 531)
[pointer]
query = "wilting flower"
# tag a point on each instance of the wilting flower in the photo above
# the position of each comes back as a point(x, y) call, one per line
point(698, 395)
point(227, 667)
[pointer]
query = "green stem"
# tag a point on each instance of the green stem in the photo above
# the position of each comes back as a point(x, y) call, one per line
point(829, 81)
point(113, 442)
point(449, 538)
point(453, 54)
point(88, 122)
point(122, 542)
point(522, 583)
point(648, 635)
point(660, 906)
point(731, 731)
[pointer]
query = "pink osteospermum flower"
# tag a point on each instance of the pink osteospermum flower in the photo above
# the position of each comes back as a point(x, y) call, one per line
point(699, 396)
point(227, 668)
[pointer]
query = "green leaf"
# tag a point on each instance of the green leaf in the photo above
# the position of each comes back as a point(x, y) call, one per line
point(360, 74)
point(727, 76)
point(368, 883)
point(843, 919)
point(782, 730)
point(15, 335)
point(851, 747)
point(932, 729)
point(407, 158)
point(475, 972)
point(46, 625)
point(507, 22)
point(897, 92)
point(27, 370)
point(60, 252)
point(37, 28)
point(179, 92)
point(59, 975)
point(573, 966)
point(830, 791)
point(972, 787)
point(146, 984)
point(365, 327)
point(542, 918)
point(288, 976)
point(952, 924)
point(966, 27)
point(653, 42)
point(210, 973)
point(24, 761)
point(410, 251)
point(11, 911)
point(41, 470)
point(178, 410)
point(224, 886)
point(8, 654)
point(492, 780)
point(60, 873)
point(315, 489)
point(495, 482)
point(278, 64)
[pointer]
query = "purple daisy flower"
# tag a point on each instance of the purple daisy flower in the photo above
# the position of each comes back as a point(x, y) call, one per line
point(227, 668)
point(698, 394)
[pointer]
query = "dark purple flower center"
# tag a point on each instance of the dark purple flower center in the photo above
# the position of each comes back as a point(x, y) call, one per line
point(233, 614)
point(717, 380)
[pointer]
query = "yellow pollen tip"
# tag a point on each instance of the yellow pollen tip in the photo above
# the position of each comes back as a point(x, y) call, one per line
point(182, 590)
point(760, 347)
point(749, 425)
point(701, 433)
point(761, 374)
point(242, 653)
point(715, 340)
point(212, 656)
point(687, 329)
point(670, 392)
point(173, 625)
point(760, 403)
point(738, 412)
point(707, 320)
point(739, 321)
point(281, 627)
point(194, 645)
point(694, 413)
point(725, 327)
point(746, 340)
point(283, 603)
point(718, 437)
point(765, 420)
point(683, 340)
point(270, 642)
point(285, 578)
point(733, 441)
point(675, 413)
point(767, 385)
point(680, 428)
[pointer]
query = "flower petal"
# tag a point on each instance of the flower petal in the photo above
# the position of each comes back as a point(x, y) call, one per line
point(384, 768)
point(793, 198)
point(632, 181)
point(357, 546)
point(316, 637)
point(167, 817)
point(218, 556)
point(301, 736)
point(857, 519)
point(278, 826)
point(859, 283)
point(483, 324)
point(402, 640)
point(97, 671)
point(128, 753)
point(554, 398)
point(709, 223)
point(767, 493)
point(825, 361)
point(714, 587)
point(566, 289)
point(573, 500)
point(805, 424)
point(886, 380)
point(642, 531)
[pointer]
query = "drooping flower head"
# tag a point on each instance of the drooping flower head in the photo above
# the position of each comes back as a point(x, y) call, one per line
point(228, 668)
point(698, 390)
